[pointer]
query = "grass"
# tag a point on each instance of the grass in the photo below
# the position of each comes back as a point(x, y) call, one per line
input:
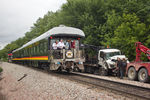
point(1, 69)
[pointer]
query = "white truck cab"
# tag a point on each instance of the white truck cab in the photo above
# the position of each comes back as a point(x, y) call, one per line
point(110, 57)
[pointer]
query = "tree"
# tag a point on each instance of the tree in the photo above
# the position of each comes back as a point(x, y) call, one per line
point(117, 23)
point(130, 31)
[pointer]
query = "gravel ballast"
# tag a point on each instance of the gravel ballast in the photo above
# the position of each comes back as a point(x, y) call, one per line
point(37, 85)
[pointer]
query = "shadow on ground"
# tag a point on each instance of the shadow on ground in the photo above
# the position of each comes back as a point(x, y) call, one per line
point(2, 97)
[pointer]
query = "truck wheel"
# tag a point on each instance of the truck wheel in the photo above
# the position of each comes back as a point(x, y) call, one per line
point(76, 69)
point(82, 70)
point(132, 74)
point(143, 75)
point(68, 70)
point(103, 72)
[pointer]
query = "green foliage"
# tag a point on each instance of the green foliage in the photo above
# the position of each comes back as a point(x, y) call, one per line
point(1, 69)
point(127, 33)
point(117, 23)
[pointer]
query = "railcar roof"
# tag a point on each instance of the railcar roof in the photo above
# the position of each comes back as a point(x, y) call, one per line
point(56, 31)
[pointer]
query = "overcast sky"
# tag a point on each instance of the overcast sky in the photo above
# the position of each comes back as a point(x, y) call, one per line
point(17, 16)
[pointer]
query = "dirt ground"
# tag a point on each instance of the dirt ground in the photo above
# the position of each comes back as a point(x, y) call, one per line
point(38, 85)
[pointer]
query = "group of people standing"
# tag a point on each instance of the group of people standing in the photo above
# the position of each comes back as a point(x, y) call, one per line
point(121, 66)
point(60, 45)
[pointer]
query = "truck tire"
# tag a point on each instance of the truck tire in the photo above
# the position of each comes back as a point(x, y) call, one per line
point(143, 75)
point(132, 74)
point(103, 72)
point(76, 69)
point(82, 70)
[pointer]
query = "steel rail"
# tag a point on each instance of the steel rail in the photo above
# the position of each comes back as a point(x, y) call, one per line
point(133, 90)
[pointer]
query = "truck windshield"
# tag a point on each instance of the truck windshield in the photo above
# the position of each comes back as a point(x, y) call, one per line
point(110, 54)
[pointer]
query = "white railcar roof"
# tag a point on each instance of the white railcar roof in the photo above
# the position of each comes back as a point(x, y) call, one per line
point(56, 31)
point(110, 50)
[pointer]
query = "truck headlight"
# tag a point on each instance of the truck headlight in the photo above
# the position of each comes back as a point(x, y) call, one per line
point(80, 62)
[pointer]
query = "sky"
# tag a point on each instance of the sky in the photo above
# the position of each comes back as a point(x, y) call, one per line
point(17, 16)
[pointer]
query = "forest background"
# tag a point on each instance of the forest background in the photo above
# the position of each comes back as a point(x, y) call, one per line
point(117, 23)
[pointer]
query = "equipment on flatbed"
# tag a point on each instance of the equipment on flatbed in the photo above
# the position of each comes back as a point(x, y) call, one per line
point(101, 61)
point(138, 69)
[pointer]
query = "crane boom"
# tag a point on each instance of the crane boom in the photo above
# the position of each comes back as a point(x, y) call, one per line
point(141, 48)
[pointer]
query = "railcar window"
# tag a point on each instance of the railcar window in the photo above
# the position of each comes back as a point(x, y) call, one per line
point(30, 51)
point(34, 50)
point(21, 53)
point(27, 51)
point(41, 48)
point(16, 54)
point(24, 52)
point(45, 47)
point(37, 49)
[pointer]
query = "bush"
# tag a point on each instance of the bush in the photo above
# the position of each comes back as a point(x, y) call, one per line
point(1, 69)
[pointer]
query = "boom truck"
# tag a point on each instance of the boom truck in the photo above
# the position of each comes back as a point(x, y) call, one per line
point(138, 69)
point(100, 60)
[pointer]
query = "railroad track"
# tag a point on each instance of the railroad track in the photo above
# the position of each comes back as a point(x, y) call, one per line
point(139, 93)
point(136, 92)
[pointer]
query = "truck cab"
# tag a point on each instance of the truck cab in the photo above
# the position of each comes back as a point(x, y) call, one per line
point(110, 57)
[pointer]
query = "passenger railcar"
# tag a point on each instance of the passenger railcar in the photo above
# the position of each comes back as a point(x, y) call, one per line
point(39, 52)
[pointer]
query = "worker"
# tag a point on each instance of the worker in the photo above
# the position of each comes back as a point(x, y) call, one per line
point(67, 46)
point(73, 44)
point(120, 68)
point(61, 44)
point(124, 65)
point(55, 45)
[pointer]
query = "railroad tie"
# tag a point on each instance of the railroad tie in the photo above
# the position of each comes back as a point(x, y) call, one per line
point(22, 77)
